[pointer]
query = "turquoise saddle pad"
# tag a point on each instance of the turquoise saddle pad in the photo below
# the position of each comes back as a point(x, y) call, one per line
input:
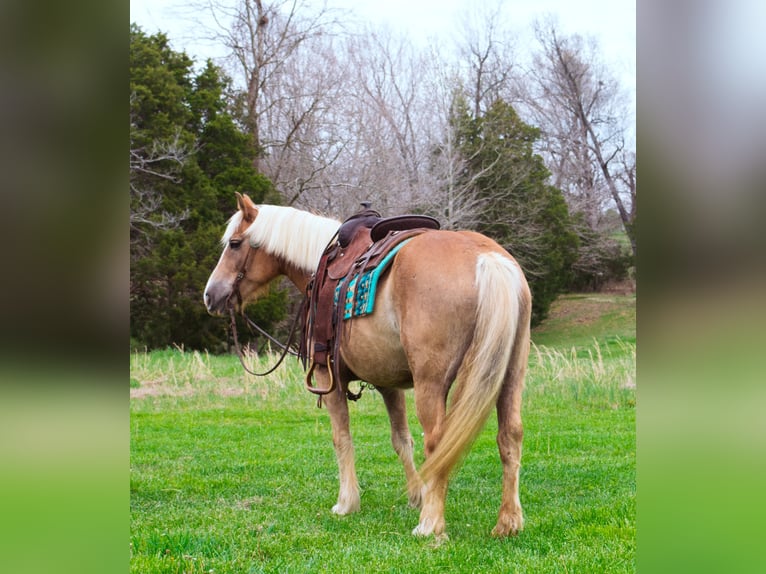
point(362, 288)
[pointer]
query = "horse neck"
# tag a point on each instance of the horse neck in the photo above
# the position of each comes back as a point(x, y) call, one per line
point(293, 237)
point(297, 276)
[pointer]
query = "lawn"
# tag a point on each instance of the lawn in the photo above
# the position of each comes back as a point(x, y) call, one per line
point(231, 473)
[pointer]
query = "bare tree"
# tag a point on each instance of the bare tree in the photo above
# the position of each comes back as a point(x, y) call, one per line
point(161, 161)
point(386, 118)
point(481, 75)
point(283, 57)
point(341, 118)
point(454, 198)
point(344, 118)
point(580, 107)
point(627, 176)
point(403, 151)
point(486, 50)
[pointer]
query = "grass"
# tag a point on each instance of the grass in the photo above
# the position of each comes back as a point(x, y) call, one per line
point(577, 320)
point(230, 473)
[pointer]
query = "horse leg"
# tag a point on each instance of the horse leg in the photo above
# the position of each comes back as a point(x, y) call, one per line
point(509, 436)
point(337, 406)
point(401, 439)
point(431, 409)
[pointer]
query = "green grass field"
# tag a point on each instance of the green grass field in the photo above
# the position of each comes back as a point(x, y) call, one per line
point(235, 474)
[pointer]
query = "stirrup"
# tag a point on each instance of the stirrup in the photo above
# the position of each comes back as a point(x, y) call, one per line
point(311, 388)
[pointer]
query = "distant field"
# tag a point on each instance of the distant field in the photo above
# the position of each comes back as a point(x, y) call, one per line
point(580, 319)
point(231, 473)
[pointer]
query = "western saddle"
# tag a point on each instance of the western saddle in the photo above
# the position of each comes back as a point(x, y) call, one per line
point(361, 243)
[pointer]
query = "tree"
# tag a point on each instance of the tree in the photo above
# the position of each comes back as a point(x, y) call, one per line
point(487, 54)
point(160, 148)
point(282, 57)
point(454, 199)
point(579, 107)
point(519, 209)
point(187, 156)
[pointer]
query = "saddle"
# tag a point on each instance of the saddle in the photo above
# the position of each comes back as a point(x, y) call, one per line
point(362, 242)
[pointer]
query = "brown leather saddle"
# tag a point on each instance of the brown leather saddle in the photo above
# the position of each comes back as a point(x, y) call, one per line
point(362, 242)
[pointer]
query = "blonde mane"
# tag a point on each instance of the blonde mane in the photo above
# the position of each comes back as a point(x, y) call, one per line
point(299, 237)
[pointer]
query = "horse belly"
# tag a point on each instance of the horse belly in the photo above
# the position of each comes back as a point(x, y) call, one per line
point(372, 347)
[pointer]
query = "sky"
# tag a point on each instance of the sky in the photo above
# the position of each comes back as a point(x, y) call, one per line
point(611, 22)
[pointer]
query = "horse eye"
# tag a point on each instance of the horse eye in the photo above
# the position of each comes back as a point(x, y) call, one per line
point(235, 243)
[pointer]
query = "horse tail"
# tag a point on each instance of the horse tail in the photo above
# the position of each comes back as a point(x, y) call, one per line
point(500, 288)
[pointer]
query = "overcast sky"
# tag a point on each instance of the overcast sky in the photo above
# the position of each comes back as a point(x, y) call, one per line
point(611, 22)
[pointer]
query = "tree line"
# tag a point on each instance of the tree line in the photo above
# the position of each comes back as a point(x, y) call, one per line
point(311, 112)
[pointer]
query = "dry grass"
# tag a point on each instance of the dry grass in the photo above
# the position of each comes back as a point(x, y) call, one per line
point(180, 373)
point(601, 374)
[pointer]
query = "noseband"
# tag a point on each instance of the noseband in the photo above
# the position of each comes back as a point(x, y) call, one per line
point(252, 325)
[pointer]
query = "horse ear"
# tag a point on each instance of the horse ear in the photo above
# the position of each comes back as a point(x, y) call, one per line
point(246, 206)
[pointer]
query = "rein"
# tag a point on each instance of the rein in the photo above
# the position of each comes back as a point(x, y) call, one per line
point(285, 348)
point(253, 325)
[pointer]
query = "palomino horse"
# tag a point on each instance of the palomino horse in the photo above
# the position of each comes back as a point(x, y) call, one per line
point(454, 306)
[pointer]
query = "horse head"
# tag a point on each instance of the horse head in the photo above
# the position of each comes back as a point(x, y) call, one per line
point(243, 271)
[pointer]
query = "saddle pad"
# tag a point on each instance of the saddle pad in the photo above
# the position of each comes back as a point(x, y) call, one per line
point(362, 288)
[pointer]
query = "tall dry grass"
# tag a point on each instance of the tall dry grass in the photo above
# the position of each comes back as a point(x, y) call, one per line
point(602, 374)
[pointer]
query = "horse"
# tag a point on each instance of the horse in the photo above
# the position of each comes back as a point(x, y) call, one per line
point(453, 307)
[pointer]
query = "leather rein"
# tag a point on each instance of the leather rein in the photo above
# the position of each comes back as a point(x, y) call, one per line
point(253, 325)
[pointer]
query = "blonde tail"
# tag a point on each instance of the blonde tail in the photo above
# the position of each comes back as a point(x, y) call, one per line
point(480, 377)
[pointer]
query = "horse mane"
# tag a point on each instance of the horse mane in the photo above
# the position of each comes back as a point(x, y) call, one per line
point(299, 237)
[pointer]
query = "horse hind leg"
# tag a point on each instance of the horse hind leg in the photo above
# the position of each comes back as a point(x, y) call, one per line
point(509, 437)
point(401, 439)
point(337, 407)
point(431, 409)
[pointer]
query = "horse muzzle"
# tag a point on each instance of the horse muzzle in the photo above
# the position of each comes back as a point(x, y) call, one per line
point(217, 299)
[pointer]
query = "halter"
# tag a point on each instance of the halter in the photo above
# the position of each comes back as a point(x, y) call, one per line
point(253, 325)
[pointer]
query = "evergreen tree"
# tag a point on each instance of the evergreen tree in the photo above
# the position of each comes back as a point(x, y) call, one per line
point(187, 158)
point(516, 205)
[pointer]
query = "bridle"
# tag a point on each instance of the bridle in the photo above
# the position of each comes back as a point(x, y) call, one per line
point(253, 325)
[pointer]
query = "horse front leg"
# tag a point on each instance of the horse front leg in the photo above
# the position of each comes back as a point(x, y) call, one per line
point(337, 406)
point(401, 439)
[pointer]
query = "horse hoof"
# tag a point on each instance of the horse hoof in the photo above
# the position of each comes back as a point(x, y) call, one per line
point(429, 527)
point(343, 509)
point(509, 527)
